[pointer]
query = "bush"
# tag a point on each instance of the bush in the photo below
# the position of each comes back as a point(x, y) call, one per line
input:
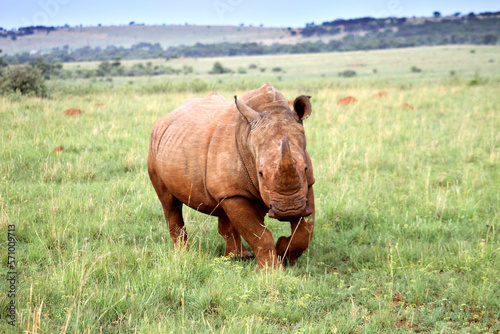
point(219, 69)
point(242, 70)
point(187, 69)
point(47, 69)
point(347, 73)
point(276, 69)
point(252, 66)
point(24, 79)
point(415, 69)
point(489, 39)
point(473, 82)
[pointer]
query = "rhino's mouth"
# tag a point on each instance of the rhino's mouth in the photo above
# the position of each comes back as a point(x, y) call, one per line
point(285, 212)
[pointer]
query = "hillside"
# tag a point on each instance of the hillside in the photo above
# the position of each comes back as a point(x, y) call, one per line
point(125, 36)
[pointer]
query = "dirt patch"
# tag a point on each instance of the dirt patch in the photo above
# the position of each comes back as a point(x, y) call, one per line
point(401, 322)
point(347, 100)
point(72, 112)
point(382, 93)
point(407, 106)
point(397, 298)
point(59, 149)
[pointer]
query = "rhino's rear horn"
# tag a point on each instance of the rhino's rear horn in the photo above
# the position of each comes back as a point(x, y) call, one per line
point(250, 114)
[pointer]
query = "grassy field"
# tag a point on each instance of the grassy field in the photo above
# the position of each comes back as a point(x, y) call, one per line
point(407, 198)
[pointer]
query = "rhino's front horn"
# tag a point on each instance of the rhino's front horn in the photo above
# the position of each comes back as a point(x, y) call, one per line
point(287, 179)
point(286, 153)
point(250, 114)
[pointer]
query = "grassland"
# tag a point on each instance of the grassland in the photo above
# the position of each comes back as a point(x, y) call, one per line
point(408, 204)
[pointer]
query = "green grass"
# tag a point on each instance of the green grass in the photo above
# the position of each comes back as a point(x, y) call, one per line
point(408, 205)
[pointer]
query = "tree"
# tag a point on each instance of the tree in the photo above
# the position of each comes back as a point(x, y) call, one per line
point(219, 69)
point(489, 39)
point(3, 63)
point(46, 68)
point(117, 62)
point(436, 14)
point(104, 68)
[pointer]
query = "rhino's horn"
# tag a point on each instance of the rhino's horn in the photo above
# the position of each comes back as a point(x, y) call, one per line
point(286, 153)
point(250, 114)
point(287, 178)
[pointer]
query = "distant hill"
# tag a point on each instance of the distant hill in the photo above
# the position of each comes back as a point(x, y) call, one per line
point(44, 39)
point(66, 44)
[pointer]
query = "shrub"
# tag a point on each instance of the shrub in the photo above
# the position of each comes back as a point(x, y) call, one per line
point(252, 66)
point(276, 69)
point(187, 69)
point(415, 69)
point(24, 79)
point(219, 69)
point(262, 69)
point(473, 82)
point(3, 62)
point(242, 70)
point(489, 39)
point(47, 69)
point(347, 73)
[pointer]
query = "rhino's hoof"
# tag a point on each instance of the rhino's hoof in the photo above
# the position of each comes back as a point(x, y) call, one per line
point(246, 255)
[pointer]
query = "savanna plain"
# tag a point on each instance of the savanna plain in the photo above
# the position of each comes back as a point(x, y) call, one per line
point(407, 199)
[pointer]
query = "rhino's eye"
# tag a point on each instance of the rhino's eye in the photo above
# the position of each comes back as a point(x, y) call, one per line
point(306, 169)
point(260, 174)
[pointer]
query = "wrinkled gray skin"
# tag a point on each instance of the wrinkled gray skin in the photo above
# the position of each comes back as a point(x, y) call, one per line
point(238, 160)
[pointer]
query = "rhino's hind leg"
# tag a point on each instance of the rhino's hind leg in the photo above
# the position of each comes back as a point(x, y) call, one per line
point(234, 246)
point(172, 208)
point(173, 213)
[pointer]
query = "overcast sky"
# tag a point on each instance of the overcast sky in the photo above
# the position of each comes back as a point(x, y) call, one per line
point(270, 13)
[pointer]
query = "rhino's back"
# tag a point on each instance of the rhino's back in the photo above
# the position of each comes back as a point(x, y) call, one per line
point(188, 124)
point(180, 143)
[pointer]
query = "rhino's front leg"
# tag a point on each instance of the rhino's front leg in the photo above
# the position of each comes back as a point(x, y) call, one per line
point(234, 246)
point(247, 218)
point(290, 248)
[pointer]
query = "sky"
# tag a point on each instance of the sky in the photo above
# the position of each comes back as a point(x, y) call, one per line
point(270, 13)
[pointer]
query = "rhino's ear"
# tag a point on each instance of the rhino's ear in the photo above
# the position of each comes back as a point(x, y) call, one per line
point(302, 107)
point(251, 115)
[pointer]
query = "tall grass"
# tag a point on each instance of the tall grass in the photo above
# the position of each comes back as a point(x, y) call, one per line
point(406, 229)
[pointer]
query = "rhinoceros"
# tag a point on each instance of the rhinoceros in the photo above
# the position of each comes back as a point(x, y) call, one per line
point(237, 160)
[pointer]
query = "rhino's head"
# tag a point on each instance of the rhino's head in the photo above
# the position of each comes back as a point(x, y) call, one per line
point(278, 145)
